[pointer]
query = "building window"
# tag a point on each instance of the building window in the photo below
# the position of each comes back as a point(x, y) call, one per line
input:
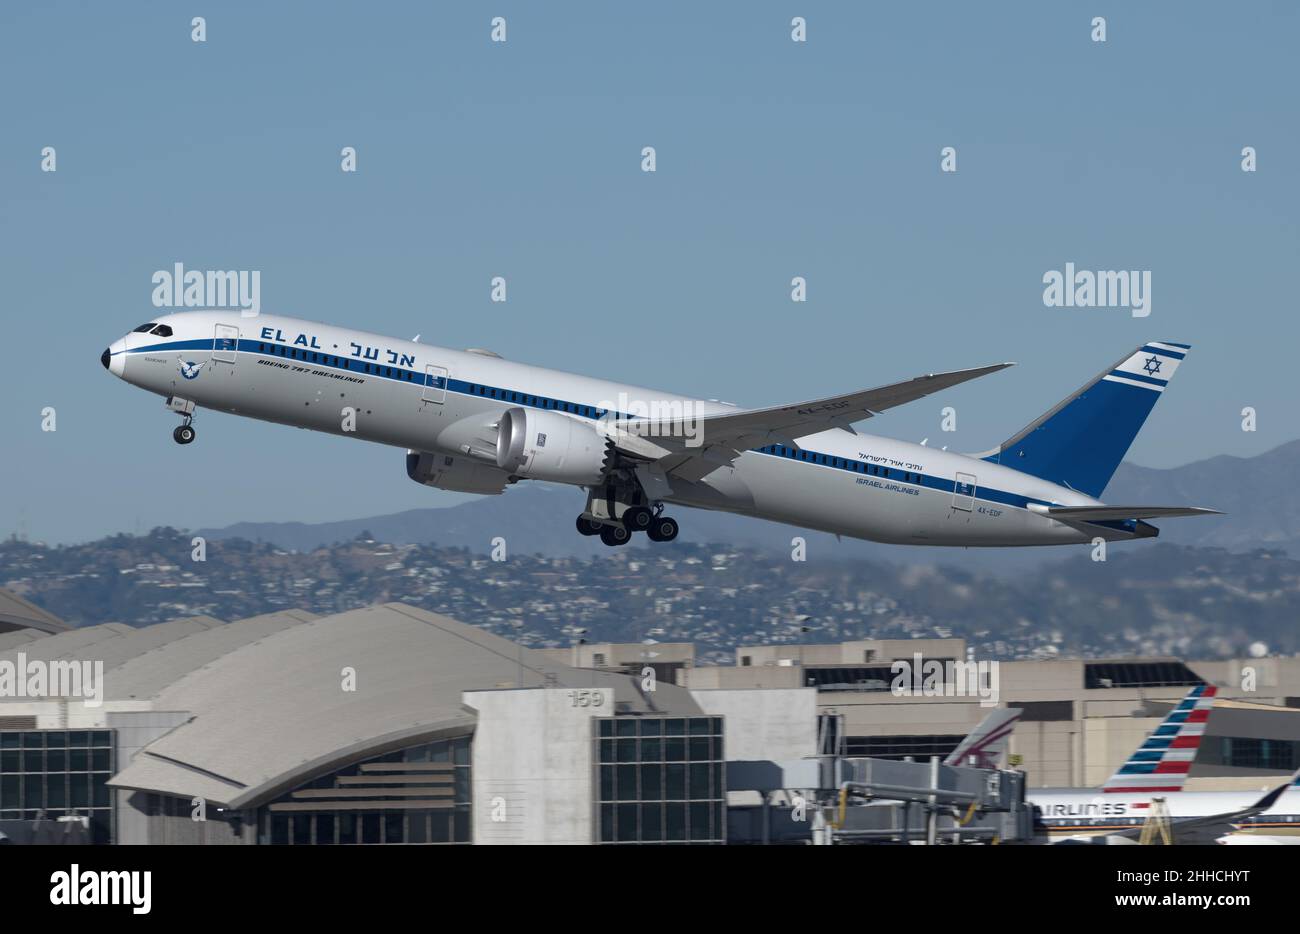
point(900, 747)
point(49, 774)
point(662, 780)
point(418, 795)
point(1253, 753)
point(1139, 675)
point(1045, 711)
point(853, 677)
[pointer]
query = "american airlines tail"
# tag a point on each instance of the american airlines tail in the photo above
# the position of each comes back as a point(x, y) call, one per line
point(1163, 760)
point(1080, 442)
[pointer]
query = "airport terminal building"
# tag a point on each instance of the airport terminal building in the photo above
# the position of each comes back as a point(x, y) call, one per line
point(394, 725)
point(380, 725)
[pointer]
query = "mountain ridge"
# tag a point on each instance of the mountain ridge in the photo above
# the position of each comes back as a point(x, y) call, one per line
point(1257, 495)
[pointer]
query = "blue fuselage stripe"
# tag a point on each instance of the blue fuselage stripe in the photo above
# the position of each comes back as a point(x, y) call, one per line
point(529, 400)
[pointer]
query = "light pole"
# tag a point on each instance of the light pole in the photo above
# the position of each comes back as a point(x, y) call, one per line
point(518, 626)
point(800, 620)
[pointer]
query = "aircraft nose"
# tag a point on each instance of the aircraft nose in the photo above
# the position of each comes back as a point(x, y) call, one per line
point(114, 358)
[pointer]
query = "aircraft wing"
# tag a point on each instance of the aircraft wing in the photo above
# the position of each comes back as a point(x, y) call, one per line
point(722, 438)
point(1120, 513)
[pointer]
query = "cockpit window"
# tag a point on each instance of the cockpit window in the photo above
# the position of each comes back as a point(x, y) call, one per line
point(162, 330)
point(145, 328)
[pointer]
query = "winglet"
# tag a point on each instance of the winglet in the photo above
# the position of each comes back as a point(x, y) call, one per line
point(1270, 799)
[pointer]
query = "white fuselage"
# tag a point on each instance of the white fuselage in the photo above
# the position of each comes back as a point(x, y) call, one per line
point(1063, 815)
point(432, 399)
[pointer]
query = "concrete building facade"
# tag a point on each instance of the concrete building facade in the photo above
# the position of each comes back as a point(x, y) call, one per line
point(393, 725)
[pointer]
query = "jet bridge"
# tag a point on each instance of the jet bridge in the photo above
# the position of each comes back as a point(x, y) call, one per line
point(842, 800)
point(888, 801)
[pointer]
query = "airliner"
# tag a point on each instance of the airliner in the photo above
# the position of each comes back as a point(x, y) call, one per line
point(473, 422)
point(1158, 769)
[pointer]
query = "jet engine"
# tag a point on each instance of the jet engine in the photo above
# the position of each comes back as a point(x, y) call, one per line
point(457, 474)
point(545, 445)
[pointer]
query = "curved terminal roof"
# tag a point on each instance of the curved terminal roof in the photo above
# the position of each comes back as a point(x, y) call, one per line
point(18, 613)
point(269, 708)
point(123, 646)
point(80, 643)
point(148, 673)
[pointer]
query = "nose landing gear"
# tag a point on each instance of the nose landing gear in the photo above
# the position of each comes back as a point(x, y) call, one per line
point(184, 432)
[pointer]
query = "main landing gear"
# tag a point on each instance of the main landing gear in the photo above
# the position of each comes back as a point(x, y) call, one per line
point(657, 527)
point(184, 434)
point(620, 507)
point(663, 529)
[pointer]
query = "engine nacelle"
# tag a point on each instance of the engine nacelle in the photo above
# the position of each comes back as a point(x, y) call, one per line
point(457, 474)
point(544, 445)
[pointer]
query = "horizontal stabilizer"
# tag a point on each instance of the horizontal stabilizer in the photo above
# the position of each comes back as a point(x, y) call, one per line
point(1120, 513)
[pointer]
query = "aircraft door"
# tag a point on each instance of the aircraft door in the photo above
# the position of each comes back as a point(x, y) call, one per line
point(224, 343)
point(435, 384)
point(963, 492)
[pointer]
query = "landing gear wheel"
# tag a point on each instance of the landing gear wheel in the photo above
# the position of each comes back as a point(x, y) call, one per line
point(638, 519)
point(615, 535)
point(589, 526)
point(183, 434)
point(663, 529)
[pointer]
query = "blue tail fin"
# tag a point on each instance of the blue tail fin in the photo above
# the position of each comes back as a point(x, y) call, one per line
point(1081, 441)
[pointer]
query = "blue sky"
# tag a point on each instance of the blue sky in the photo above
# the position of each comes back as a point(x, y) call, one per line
point(775, 159)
